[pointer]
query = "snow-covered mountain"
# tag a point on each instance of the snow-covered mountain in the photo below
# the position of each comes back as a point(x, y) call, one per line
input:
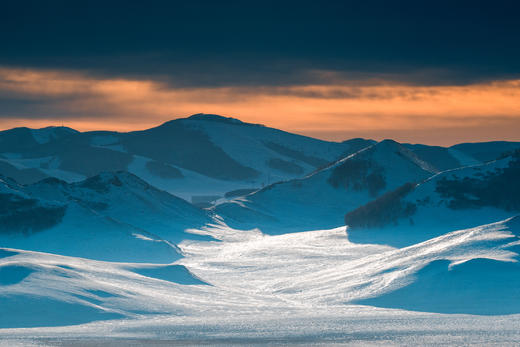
point(200, 155)
point(320, 199)
point(111, 216)
point(203, 154)
point(454, 199)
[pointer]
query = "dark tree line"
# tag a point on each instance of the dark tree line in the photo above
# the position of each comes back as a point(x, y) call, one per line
point(500, 188)
point(386, 209)
point(358, 174)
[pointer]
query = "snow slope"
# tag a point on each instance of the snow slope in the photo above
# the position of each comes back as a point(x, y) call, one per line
point(321, 199)
point(248, 279)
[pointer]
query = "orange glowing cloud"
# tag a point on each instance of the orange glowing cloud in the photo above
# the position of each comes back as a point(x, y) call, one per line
point(408, 113)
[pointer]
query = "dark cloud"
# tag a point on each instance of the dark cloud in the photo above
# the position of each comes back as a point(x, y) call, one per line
point(237, 43)
point(46, 108)
point(19, 107)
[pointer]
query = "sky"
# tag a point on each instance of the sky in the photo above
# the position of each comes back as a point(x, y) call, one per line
point(435, 72)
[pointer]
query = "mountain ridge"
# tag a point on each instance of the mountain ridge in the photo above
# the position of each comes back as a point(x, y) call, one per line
point(178, 156)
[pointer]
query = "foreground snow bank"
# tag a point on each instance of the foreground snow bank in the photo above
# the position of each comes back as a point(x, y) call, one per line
point(306, 286)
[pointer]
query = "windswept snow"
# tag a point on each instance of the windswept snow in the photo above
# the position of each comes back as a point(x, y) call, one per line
point(324, 268)
point(239, 286)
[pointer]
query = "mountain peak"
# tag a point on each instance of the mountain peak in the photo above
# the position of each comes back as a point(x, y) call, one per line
point(205, 117)
point(385, 148)
point(208, 117)
point(47, 134)
point(388, 143)
point(214, 118)
point(57, 128)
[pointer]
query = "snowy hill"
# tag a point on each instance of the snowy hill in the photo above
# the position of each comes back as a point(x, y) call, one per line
point(464, 154)
point(199, 155)
point(320, 199)
point(111, 216)
point(454, 199)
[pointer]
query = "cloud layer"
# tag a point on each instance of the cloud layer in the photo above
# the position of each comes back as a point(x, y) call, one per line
point(413, 70)
point(234, 43)
point(489, 110)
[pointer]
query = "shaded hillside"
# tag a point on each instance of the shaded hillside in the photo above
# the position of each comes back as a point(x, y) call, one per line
point(20, 213)
point(440, 157)
point(386, 209)
point(110, 216)
point(192, 149)
point(358, 175)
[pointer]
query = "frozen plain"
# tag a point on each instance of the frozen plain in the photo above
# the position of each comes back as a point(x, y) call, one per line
point(306, 288)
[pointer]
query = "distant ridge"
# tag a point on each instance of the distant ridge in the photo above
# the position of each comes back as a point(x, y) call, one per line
point(203, 154)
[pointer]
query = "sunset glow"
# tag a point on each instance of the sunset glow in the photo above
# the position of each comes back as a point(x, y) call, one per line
point(327, 111)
